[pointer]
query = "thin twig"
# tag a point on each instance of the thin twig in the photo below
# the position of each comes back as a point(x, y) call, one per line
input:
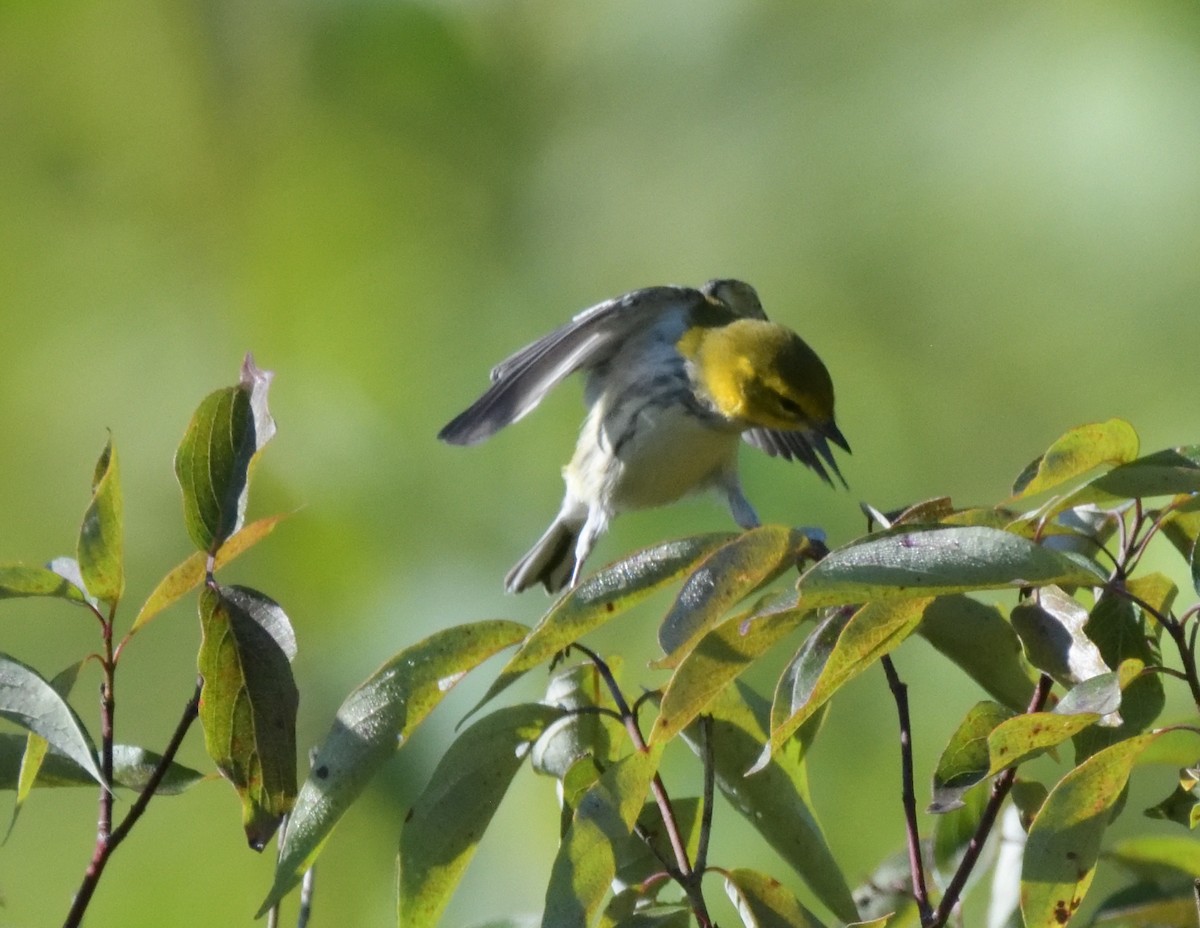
point(908, 796)
point(104, 849)
point(1000, 790)
point(706, 811)
point(688, 877)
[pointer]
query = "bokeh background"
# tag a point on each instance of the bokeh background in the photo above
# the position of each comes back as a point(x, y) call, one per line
point(986, 217)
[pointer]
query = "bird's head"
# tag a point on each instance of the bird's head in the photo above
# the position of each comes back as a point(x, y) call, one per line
point(762, 374)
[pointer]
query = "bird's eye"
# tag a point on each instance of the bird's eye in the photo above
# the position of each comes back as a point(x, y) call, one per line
point(791, 407)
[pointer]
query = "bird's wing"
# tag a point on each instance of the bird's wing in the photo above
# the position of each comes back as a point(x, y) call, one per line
point(520, 381)
point(810, 447)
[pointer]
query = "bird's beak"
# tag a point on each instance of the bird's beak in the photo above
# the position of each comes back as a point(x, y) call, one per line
point(830, 430)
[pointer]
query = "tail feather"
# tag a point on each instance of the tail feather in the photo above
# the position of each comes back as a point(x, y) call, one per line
point(550, 562)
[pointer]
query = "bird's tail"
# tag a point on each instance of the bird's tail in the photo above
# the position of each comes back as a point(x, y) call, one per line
point(550, 562)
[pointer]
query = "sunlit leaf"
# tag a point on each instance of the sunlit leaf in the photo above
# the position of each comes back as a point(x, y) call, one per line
point(1078, 451)
point(775, 800)
point(132, 767)
point(870, 633)
point(938, 560)
point(976, 637)
point(37, 747)
point(717, 659)
point(249, 701)
point(376, 718)
point(1052, 631)
point(444, 826)
point(586, 859)
point(725, 578)
point(964, 761)
point(1027, 736)
point(213, 461)
point(190, 574)
point(18, 580)
point(101, 551)
point(601, 597)
point(68, 569)
point(1064, 841)
point(763, 902)
point(31, 702)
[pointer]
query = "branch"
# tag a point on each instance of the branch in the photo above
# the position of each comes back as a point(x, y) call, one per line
point(106, 846)
point(908, 796)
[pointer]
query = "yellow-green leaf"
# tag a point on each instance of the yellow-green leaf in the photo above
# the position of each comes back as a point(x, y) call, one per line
point(1078, 451)
point(101, 552)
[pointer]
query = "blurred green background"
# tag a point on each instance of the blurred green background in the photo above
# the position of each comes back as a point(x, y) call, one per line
point(985, 217)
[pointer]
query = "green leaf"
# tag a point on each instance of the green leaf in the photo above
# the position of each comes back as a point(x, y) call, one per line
point(68, 569)
point(976, 637)
point(444, 826)
point(586, 860)
point(873, 631)
point(1146, 905)
point(1078, 451)
point(964, 761)
point(718, 658)
point(637, 907)
point(31, 702)
point(581, 732)
point(376, 718)
point(775, 801)
point(1052, 631)
point(938, 560)
point(101, 551)
point(764, 902)
point(249, 701)
point(601, 597)
point(1064, 840)
point(639, 861)
point(725, 578)
point(37, 747)
point(1167, 472)
point(1183, 805)
point(132, 767)
point(190, 574)
point(1026, 736)
point(1163, 859)
point(213, 461)
point(18, 580)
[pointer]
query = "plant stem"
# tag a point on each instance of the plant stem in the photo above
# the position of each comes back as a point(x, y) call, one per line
point(908, 796)
point(106, 844)
point(706, 811)
point(1000, 790)
point(687, 876)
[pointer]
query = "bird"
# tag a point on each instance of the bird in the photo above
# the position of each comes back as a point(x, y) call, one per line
point(676, 377)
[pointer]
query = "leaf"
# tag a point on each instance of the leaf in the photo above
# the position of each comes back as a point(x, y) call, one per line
point(718, 658)
point(248, 702)
point(938, 560)
point(1027, 736)
point(1145, 905)
point(68, 569)
point(132, 767)
point(101, 551)
point(212, 464)
point(775, 800)
point(764, 902)
point(1183, 805)
point(964, 761)
point(873, 631)
point(444, 826)
point(1163, 859)
point(18, 580)
point(190, 574)
point(37, 747)
point(976, 637)
point(582, 731)
point(1064, 840)
point(377, 717)
point(1167, 472)
point(31, 702)
point(1078, 451)
point(586, 859)
point(1052, 631)
point(640, 861)
point(600, 598)
point(725, 578)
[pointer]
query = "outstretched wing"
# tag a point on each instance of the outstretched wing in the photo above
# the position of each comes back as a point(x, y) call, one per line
point(810, 447)
point(519, 382)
